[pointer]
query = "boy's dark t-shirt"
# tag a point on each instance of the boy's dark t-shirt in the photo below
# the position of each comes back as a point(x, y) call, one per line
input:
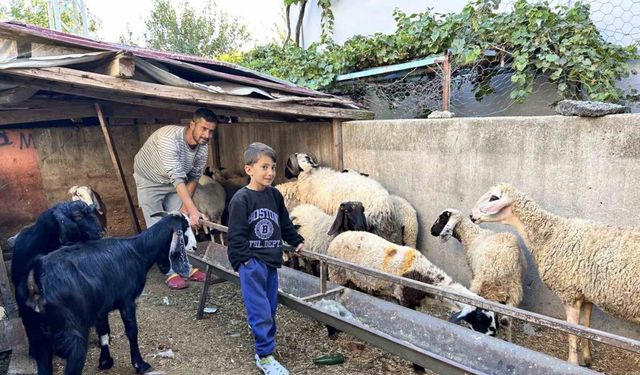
point(258, 222)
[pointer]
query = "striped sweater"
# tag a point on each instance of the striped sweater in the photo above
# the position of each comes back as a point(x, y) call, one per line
point(166, 158)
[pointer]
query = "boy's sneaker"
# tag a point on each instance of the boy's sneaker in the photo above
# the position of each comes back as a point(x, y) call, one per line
point(270, 366)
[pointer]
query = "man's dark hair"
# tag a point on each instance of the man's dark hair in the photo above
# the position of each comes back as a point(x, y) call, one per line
point(255, 150)
point(204, 113)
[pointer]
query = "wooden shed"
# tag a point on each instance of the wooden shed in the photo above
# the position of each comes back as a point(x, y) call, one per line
point(75, 111)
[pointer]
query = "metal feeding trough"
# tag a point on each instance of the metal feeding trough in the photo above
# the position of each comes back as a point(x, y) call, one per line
point(433, 343)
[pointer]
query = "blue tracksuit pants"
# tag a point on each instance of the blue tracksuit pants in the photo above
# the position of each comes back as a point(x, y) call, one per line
point(259, 285)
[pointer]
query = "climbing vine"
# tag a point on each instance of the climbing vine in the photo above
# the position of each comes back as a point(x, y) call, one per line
point(532, 39)
point(326, 19)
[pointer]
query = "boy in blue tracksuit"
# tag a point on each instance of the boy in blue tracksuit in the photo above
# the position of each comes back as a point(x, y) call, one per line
point(258, 222)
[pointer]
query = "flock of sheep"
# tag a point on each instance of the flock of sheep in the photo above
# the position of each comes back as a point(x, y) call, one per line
point(347, 215)
point(582, 262)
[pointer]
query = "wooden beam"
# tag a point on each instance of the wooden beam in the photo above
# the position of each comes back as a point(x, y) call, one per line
point(151, 103)
point(446, 82)
point(10, 307)
point(215, 152)
point(12, 334)
point(120, 66)
point(21, 363)
point(63, 112)
point(16, 95)
point(116, 86)
point(118, 167)
point(336, 133)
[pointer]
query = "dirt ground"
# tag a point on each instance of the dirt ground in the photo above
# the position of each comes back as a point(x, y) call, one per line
point(221, 343)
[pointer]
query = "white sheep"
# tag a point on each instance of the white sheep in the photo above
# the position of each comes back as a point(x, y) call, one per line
point(210, 198)
point(319, 228)
point(495, 259)
point(405, 214)
point(289, 191)
point(581, 261)
point(230, 181)
point(369, 250)
point(327, 188)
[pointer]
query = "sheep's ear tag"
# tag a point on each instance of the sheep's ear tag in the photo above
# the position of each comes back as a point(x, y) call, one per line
point(159, 214)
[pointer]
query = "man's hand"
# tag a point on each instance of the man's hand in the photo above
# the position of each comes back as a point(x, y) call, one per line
point(194, 216)
point(299, 248)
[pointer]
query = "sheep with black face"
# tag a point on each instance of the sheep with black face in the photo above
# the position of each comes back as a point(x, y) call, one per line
point(369, 250)
point(495, 259)
point(318, 228)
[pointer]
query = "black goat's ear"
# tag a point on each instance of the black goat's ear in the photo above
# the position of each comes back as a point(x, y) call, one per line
point(96, 200)
point(178, 255)
point(159, 214)
point(68, 230)
point(338, 223)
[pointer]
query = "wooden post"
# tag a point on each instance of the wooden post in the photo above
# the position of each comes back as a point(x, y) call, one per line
point(10, 307)
point(204, 291)
point(323, 276)
point(446, 82)
point(336, 131)
point(118, 167)
point(216, 147)
point(120, 66)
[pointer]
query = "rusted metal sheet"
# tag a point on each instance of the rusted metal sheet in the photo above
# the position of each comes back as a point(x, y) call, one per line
point(21, 184)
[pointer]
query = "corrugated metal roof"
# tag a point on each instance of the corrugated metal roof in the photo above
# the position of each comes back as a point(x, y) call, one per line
point(223, 70)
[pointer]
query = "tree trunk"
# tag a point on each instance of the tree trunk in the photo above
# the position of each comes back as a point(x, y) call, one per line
point(288, 15)
point(303, 5)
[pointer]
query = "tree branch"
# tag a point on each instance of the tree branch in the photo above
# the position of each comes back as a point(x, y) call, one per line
point(303, 5)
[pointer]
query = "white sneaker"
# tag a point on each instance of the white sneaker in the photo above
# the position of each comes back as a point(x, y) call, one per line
point(270, 366)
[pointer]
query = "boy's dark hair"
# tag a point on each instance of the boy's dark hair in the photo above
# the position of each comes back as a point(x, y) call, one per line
point(204, 113)
point(255, 150)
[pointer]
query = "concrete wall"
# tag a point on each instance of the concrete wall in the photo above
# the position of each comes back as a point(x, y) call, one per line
point(588, 168)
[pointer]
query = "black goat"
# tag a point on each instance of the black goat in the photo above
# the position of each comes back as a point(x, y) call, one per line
point(63, 224)
point(74, 288)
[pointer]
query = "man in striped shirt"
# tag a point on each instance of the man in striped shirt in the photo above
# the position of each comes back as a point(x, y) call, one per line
point(167, 169)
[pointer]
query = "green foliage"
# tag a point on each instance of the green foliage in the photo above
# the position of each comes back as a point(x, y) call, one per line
point(35, 12)
point(326, 21)
point(326, 18)
point(532, 39)
point(208, 33)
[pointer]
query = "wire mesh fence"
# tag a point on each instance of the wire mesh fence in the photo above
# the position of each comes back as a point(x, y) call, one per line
point(418, 92)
